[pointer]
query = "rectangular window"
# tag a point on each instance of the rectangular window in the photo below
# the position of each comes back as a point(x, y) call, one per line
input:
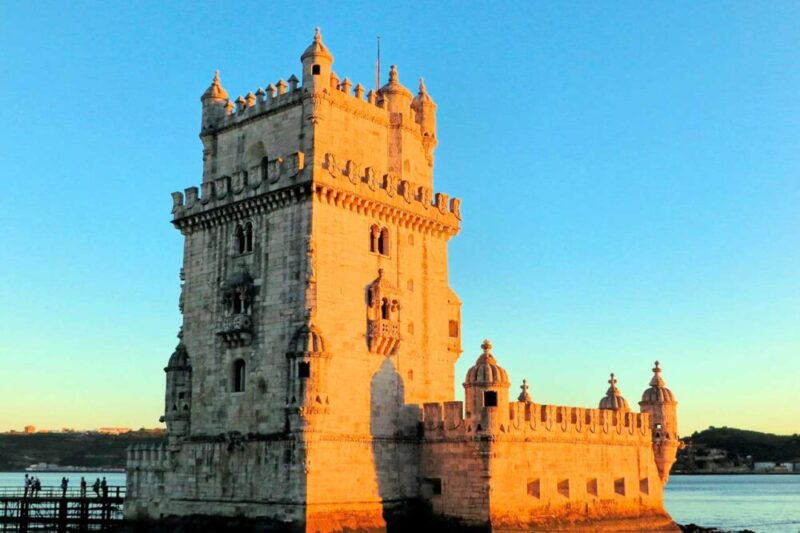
point(619, 486)
point(434, 485)
point(304, 370)
point(453, 328)
point(591, 487)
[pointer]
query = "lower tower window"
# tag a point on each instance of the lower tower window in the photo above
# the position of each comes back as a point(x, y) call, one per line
point(490, 398)
point(238, 375)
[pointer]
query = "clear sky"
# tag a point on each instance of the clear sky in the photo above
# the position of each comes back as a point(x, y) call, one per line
point(629, 175)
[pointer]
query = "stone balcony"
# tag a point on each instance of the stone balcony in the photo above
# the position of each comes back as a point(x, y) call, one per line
point(236, 330)
point(383, 336)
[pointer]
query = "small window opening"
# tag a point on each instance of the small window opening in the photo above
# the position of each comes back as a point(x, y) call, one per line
point(385, 309)
point(644, 486)
point(248, 240)
point(534, 488)
point(240, 239)
point(304, 370)
point(435, 484)
point(237, 303)
point(563, 488)
point(591, 487)
point(619, 486)
point(315, 70)
point(490, 398)
point(238, 375)
point(453, 327)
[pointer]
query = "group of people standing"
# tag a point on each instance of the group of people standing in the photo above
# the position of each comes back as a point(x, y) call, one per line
point(33, 485)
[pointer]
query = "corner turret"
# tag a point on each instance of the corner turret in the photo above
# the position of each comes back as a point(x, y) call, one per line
point(425, 115)
point(396, 98)
point(486, 389)
point(178, 398)
point(659, 402)
point(613, 399)
point(317, 61)
point(216, 104)
point(307, 395)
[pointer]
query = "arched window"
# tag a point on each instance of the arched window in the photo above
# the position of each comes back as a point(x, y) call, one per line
point(238, 375)
point(237, 303)
point(383, 242)
point(385, 309)
point(239, 239)
point(248, 237)
point(315, 70)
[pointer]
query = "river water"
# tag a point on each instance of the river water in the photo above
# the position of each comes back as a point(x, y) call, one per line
point(761, 503)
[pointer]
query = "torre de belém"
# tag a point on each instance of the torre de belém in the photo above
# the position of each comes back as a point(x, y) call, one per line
point(313, 384)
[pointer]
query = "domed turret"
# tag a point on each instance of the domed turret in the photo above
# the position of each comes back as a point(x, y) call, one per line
point(307, 395)
point(216, 104)
point(659, 402)
point(215, 92)
point(486, 384)
point(425, 115)
point(396, 97)
point(178, 397)
point(317, 61)
point(613, 398)
point(658, 392)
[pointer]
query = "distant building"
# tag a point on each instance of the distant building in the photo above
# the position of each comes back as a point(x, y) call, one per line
point(30, 429)
point(114, 431)
point(317, 214)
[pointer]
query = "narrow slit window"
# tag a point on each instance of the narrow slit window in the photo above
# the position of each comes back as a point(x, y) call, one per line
point(238, 375)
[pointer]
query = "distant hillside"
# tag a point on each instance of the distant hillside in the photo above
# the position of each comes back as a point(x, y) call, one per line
point(18, 451)
point(741, 443)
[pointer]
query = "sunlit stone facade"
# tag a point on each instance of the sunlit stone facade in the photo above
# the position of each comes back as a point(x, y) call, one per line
point(313, 381)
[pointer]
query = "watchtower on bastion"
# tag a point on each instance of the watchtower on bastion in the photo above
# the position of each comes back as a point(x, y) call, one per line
point(313, 380)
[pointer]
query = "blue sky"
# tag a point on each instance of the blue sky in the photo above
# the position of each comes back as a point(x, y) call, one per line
point(629, 175)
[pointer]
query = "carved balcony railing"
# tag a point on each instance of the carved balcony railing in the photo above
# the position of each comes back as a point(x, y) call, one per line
point(236, 330)
point(383, 336)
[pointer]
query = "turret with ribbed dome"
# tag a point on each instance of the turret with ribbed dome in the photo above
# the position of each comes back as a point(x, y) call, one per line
point(317, 61)
point(307, 395)
point(216, 104)
point(659, 402)
point(425, 115)
point(178, 397)
point(613, 398)
point(486, 384)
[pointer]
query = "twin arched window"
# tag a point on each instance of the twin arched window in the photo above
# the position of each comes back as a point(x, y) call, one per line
point(379, 240)
point(243, 238)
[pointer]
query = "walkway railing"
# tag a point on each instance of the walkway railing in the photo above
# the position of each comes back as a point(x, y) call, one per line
point(53, 509)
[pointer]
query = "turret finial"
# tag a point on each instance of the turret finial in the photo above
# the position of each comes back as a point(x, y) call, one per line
point(422, 89)
point(486, 346)
point(524, 396)
point(317, 35)
point(613, 381)
point(393, 76)
point(657, 380)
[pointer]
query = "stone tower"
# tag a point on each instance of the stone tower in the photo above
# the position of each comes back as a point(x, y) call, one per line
point(317, 314)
